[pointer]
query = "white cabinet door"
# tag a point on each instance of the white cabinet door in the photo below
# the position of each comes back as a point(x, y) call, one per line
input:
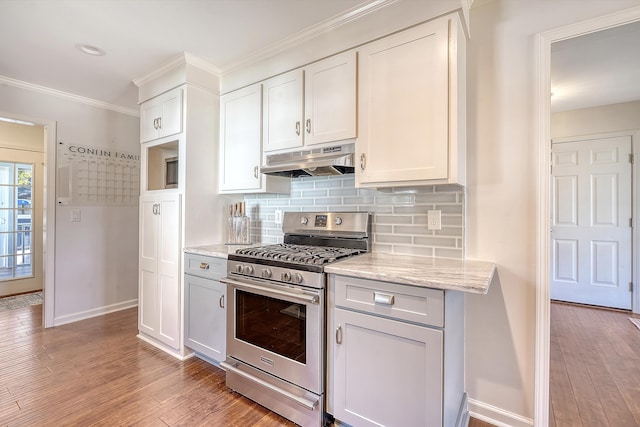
point(148, 269)
point(159, 281)
point(161, 116)
point(206, 317)
point(282, 111)
point(404, 106)
point(241, 139)
point(385, 372)
point(330, 99)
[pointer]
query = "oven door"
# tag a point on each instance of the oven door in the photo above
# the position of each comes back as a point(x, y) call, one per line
point(277, 329)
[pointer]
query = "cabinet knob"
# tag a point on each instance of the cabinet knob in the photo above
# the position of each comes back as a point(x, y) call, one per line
point(298, 128)
point(363, 162)
point(308, 126)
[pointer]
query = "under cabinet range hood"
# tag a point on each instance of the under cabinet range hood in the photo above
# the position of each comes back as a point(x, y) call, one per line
point(335, 160)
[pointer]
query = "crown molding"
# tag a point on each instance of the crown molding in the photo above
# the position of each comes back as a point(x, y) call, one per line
point(69, 96)
point(309, 33)
point(181, 59)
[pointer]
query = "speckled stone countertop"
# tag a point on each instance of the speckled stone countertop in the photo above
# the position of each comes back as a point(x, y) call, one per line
point(438, 273)
point(217, 251)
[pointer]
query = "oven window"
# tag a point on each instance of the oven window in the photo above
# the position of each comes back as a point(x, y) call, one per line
point(270, 323)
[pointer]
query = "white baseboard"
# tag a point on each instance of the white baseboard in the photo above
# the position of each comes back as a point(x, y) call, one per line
point(496, 416)
point(69, 318)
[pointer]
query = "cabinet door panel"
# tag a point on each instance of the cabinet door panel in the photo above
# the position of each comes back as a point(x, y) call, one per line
point(205, 317)
point(241, 139)
point(172, 114)
point(403, 116)
point(330, 99)
point(282, 109)
point(386, 372)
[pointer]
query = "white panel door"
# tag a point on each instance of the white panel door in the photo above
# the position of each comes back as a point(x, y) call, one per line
point(591, 258)
point(169, 268)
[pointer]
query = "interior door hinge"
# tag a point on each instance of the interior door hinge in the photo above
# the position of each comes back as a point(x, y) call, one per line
point(631, 158)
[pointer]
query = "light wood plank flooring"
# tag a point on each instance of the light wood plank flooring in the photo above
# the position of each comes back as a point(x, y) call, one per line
point(97, 373)
point(594, 368)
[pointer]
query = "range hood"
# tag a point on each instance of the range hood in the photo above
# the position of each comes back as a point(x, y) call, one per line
point(336, 160)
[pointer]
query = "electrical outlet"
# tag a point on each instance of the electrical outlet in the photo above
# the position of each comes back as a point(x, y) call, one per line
point(75, 215)
point(434, 220)
point(278, 217)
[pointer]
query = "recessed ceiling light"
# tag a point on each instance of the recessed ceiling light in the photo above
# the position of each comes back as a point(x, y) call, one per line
point(90, 50)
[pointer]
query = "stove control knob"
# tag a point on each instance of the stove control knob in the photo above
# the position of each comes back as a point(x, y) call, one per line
point(304, 220)
point(286, 276)
point(338, 220)
point(248, 269)
point(296, 278)
point(266, 273)
point(239, 268)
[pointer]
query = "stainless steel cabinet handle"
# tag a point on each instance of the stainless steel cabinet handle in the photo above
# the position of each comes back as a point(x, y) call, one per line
point(221, 302)
point(204, 266)
point(298, 128)
point(363, 162)
point(380, 298)
point(156, 209)
point(308, 126)
point(155, 123)
point(339, 334)
point(255, 172)
point(159, 122)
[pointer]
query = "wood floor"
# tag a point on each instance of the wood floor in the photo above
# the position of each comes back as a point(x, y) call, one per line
point(594, 368)
point(97, 373)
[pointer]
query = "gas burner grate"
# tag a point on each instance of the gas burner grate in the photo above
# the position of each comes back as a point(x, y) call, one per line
point(298, 254)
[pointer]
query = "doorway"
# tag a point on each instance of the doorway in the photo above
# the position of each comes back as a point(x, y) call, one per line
point(543, 44)
point(33, 189)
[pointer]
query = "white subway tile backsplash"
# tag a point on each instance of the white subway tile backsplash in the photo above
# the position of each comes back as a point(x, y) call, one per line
point(399, 214)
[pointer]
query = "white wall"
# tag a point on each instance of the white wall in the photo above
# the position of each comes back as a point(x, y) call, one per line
point(606, 118)
point(96, 259)
point(501, 196)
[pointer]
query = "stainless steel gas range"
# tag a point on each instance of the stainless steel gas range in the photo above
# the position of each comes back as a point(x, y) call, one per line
point(276, 312)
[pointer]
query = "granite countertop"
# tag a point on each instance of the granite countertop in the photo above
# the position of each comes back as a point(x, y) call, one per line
point(219, 250)
point(439, 273)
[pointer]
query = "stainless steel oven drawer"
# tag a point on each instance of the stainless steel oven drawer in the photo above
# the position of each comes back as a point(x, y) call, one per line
point(392, 300)
point(205, 266)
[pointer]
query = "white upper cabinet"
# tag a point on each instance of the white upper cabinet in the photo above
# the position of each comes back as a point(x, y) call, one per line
point(282, 111)
point(330, 99)
point(411, 107)
point(312, 105)
point(161, 116)
point(241, 144)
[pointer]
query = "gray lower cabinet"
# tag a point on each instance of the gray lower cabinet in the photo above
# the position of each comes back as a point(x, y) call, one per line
point(205, 302)
point(395, 354)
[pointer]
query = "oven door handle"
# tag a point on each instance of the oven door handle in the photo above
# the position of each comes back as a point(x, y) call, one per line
point(294, 294)
point(300, 400)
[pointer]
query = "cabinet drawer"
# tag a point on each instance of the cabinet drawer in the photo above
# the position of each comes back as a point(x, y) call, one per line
point(205, 266)
point(402, 302)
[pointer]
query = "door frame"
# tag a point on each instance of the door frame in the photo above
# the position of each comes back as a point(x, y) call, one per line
point(49, 214)
point(542, 122)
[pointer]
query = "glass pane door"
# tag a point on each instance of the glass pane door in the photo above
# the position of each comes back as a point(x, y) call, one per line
point(16, 217)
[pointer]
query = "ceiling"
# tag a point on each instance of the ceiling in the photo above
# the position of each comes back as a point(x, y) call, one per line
point(38, 42)
point(38, 38)
point(595, 69)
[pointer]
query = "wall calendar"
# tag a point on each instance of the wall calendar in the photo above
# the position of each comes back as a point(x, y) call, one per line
point(94, 176)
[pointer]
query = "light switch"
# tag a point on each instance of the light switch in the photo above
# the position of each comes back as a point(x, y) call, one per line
point(75, 215)
point(434, 220)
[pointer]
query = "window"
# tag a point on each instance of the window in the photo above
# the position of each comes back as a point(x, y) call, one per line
point(16, 216)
